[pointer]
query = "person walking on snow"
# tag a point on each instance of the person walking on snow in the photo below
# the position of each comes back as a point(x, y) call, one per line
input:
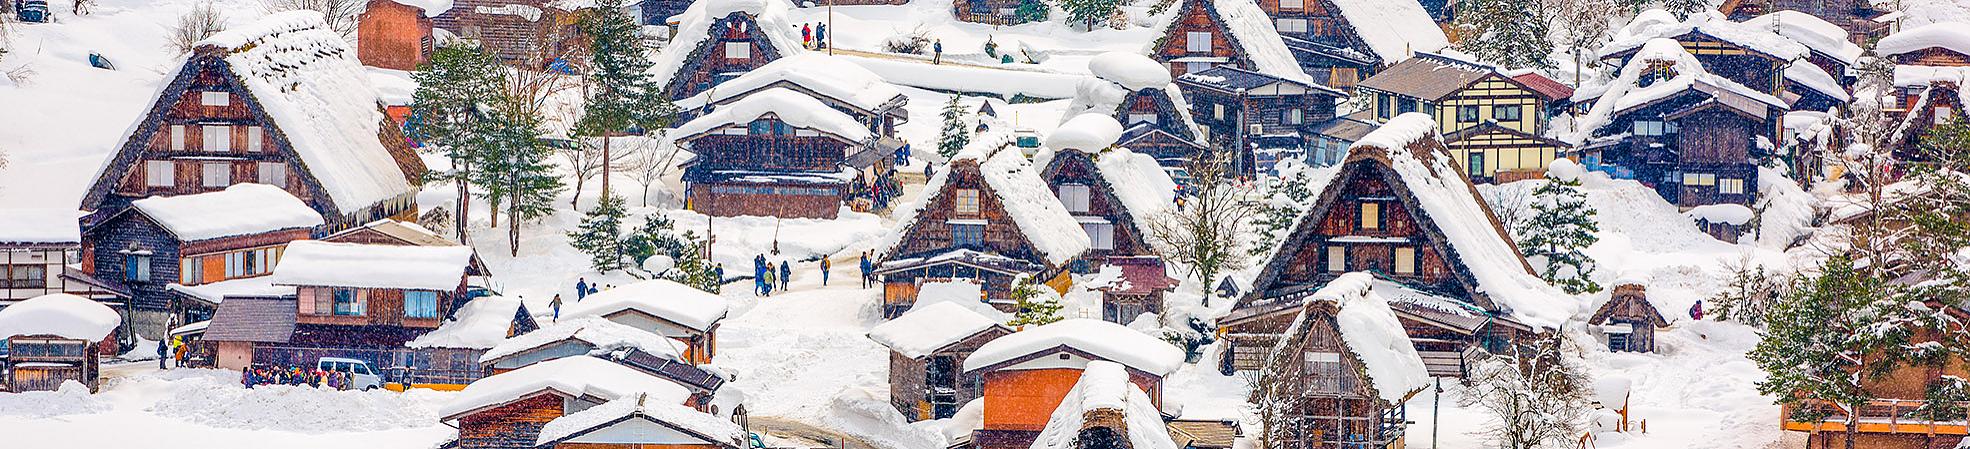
point(581, 289)
point(937, 52)
point(767, 279)
point(786, 275)
point(865, 269)
point(718, 272)
point(556, 304)
point(160, 353)
point(806, 36)
point(825, 265)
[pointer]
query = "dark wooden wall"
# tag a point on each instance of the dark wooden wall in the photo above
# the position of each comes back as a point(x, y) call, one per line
point(1196, 17)
point(512, 426)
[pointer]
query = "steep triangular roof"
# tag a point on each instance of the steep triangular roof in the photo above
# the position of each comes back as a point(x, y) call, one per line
point(1010, 182)
point(1409, 154)
point(1393, 29)
point(764, 21)
point(1132, 181)
point(1250, 31)
point(1369, 331)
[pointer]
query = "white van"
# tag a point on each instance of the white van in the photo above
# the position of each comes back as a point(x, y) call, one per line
point(361, 376)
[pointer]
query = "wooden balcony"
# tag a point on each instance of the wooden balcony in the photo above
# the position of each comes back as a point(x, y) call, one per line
point(1888, 416)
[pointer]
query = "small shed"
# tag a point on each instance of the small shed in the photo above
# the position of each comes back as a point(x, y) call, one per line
point(53, 339)
point(1725, 222)
point(1628, 318)
point(663, 307)
point(1136, 285)
point(926, 346)
point(243, 323)
point(449, 355)
point(1102, 412)
point(1027, 375)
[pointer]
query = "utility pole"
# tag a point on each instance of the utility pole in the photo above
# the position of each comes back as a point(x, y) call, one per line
point(831, 26)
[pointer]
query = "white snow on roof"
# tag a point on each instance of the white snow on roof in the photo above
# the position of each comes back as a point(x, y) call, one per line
point(1952, 36)
point(795, 108)
point(1105, 386)
point(694, 27)
point(61, 315)
point(1142, 185)
point(1130, 70)
point(606, 336)
point(479, 324)
point(242, 209)
point(306, 78)
point(1374, 335)
point(571, 376)
point(432, 8)
point(925, 329)
point(217, 292)
point(1443, 192)
point(963, 293)
point(334, 264)
point(39, 226)
point(1394, 29)
point(1105, 340)
point(1040, 216)
point(825, 75)
point(1815, 78)
point(1252, 29)
point(662, 298)
point(1735, 214)
point(1085, 132)
point(1924, 76)
point(999, 136)
point(671, 413)
point(1813, 32)
point(1625, 93)
point(1710, 23)
point(1612, 391)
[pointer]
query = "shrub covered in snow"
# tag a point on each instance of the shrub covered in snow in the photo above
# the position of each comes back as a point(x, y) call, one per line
point(913, 42)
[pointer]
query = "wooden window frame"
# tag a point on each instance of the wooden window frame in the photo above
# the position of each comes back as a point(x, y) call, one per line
point(1367, 210)
point(965, 202)
point(1409, 259)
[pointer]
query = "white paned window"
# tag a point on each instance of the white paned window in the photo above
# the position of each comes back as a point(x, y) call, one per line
point(1295, 116)
point(1292, 4)
point(1730, 186)
point(966, 202)
point(738, 50)
point(1291, 25)
point(160, 174)
point(214, 99)
point(1194, 67)
point(1337, 259)
point(177, 137)
point(1197, 41)
point(273, 173)
point(1100, 235)
point(1135, 118)
point(218, 174)
point(218, 139)
point(1944, 115)
point(255, 138)
point(1405, 260)
point(1217, 111)
point(1075, 197)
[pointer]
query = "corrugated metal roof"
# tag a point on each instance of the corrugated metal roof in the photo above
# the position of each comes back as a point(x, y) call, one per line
point(260, 320)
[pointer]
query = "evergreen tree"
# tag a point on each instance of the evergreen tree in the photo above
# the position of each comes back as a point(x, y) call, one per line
point(1088, 12)
point(1032, 11)
point(600, 235)
point(1686, 8)
point(444, 112)
point(956, 133)
point(692, 269)
point(621, 94)
point(656, 236)
point(1510, 33)
point(1747, 296)
point(514, 165)
point(1035, 307)
point(1287, 197)
point(1558, 233)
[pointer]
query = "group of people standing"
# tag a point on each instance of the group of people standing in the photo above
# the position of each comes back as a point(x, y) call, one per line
point(767, 276)
point(814, 36)
point(879, 191)
point(293, 375)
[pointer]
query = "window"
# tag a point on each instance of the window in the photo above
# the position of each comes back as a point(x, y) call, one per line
point(214, 98)
point(1295, 116)
point(177, 137)
point(1653, 128)
point(1405, 260)
point(1197, 41)
point(1075, 197)
point(1326, 373)
point(1337, 259)
point(1194, 67)
point(1345, 77)
point(420, 304)
point(136, 268)
point(738, 50)
point(23, 276)
point(1699, 179)
point(1510, 113)
point(217, 174)
point(1371, 215)
point(1101, 235)
point(1292, 4)
point(1290, 25)
point(1217, 111)
point(218, 139)
point(1135, 118)
point(189, 272)
point(160, 174)
point(254, 138)
point(966, 202)
point(967, 234)
point(345, 302)
point(1382, 108)
point(1405, 106)
point(1467, 113)
point(273, 173)
point(1944, 114)
point(1730, 186)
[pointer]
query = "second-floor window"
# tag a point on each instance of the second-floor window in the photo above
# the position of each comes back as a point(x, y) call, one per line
point(218, 138)
point(1295, 116)
point(255, 138)
point(1653, 128)
point(23, 276)
point(1510, 113)
point(1197, 41)
point(160, 173)
point(1405, 260)
point(965, 202)
point(191, 270)
point(1075, 197)
point(1699, 179)
point(177, 138)
point(738, 50)
point(136, 268)
point(1467, 113)
point(1101, 235)
point(217, 174)
point(1337, 259)
point(214, 98)
point(345, 302)
point(1291, 5)
point(1326, 374)
point(420, 304)
point(1730, 186)
point(1371, 216)
point(967, 234)
point(273, 173)
point(1290, 25)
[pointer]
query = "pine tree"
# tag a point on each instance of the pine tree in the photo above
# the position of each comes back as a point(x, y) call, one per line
point(1286, 199)
point(1685, 8)
point(444, 110)
point(1035, 308)
point(1032, 11)
point(1510, 33)
point(600, 235)
point(692, 269)
point(956, 133)
point(656, 236)
point(1560, 230)
point(621, 92)
point(1089, 12)
point(514, 165)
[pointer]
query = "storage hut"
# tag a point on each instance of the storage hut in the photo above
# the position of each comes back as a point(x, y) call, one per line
point(36, 248)
point(396, 34)
point(1346, 368)
point(1104, 411)
point(448, 357)
point(1135, 286)
point(512, 410)
point(1628, 319)
point(669, 309)
point(1028, 374)
point(243, 324)
point(56, 338)
point(1138, 93)
point(926, 347)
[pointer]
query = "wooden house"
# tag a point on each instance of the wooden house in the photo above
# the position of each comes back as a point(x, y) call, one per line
point(640, 421)
point(398, 233)
point(1855, 17)
point(1029, 374)
point(717, 41)
point(242, 324)
point(1668, 122)
point(1819, 83)
point(358, 301)
point(1214, 33)
point(37, 247)
point(1103, 411)
point(987, 217)
point(841, 85)
point(926, 347)
point(1138, 93)
point(448, 356)
point(1338, 51)
point(990, 12)
point(1628, 319)
point(178, 256)
point(1328, 141)
point(1112, 193)
point(1343, 382)
point(1138, 287)
point(669, 309)
point(524, 408)
point(1239, 109)
point(1399, 207)
point(1494, 124)
point(1739, 52)
point(1932, 64)
point(56, 338)
point(396, 34)
point(1204, 434)
point(777, 153)
point(524, 32)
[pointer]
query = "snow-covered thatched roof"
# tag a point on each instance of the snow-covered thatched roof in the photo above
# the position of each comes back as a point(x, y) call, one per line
point(575, 377)
point(1252, 30)
point(62, 315)
point(1373, 335)
point(1813, 32)
point(928, 328)
point(332, 264)
point(794, 108)
point(1393, 29)
point(1101, 339)
point(1016, 185)
point(694, 27)
point(1085, 132)
point(241, 209)
point(1952, 36)
point(480, 324)
point(1626, 93)
point(833, 77)
point(661, 298)
point(1104, 389)
point(1710, 23)
point(1118, 74)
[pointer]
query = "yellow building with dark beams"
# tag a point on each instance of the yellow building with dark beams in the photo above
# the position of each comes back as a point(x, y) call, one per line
point(1493, 123)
